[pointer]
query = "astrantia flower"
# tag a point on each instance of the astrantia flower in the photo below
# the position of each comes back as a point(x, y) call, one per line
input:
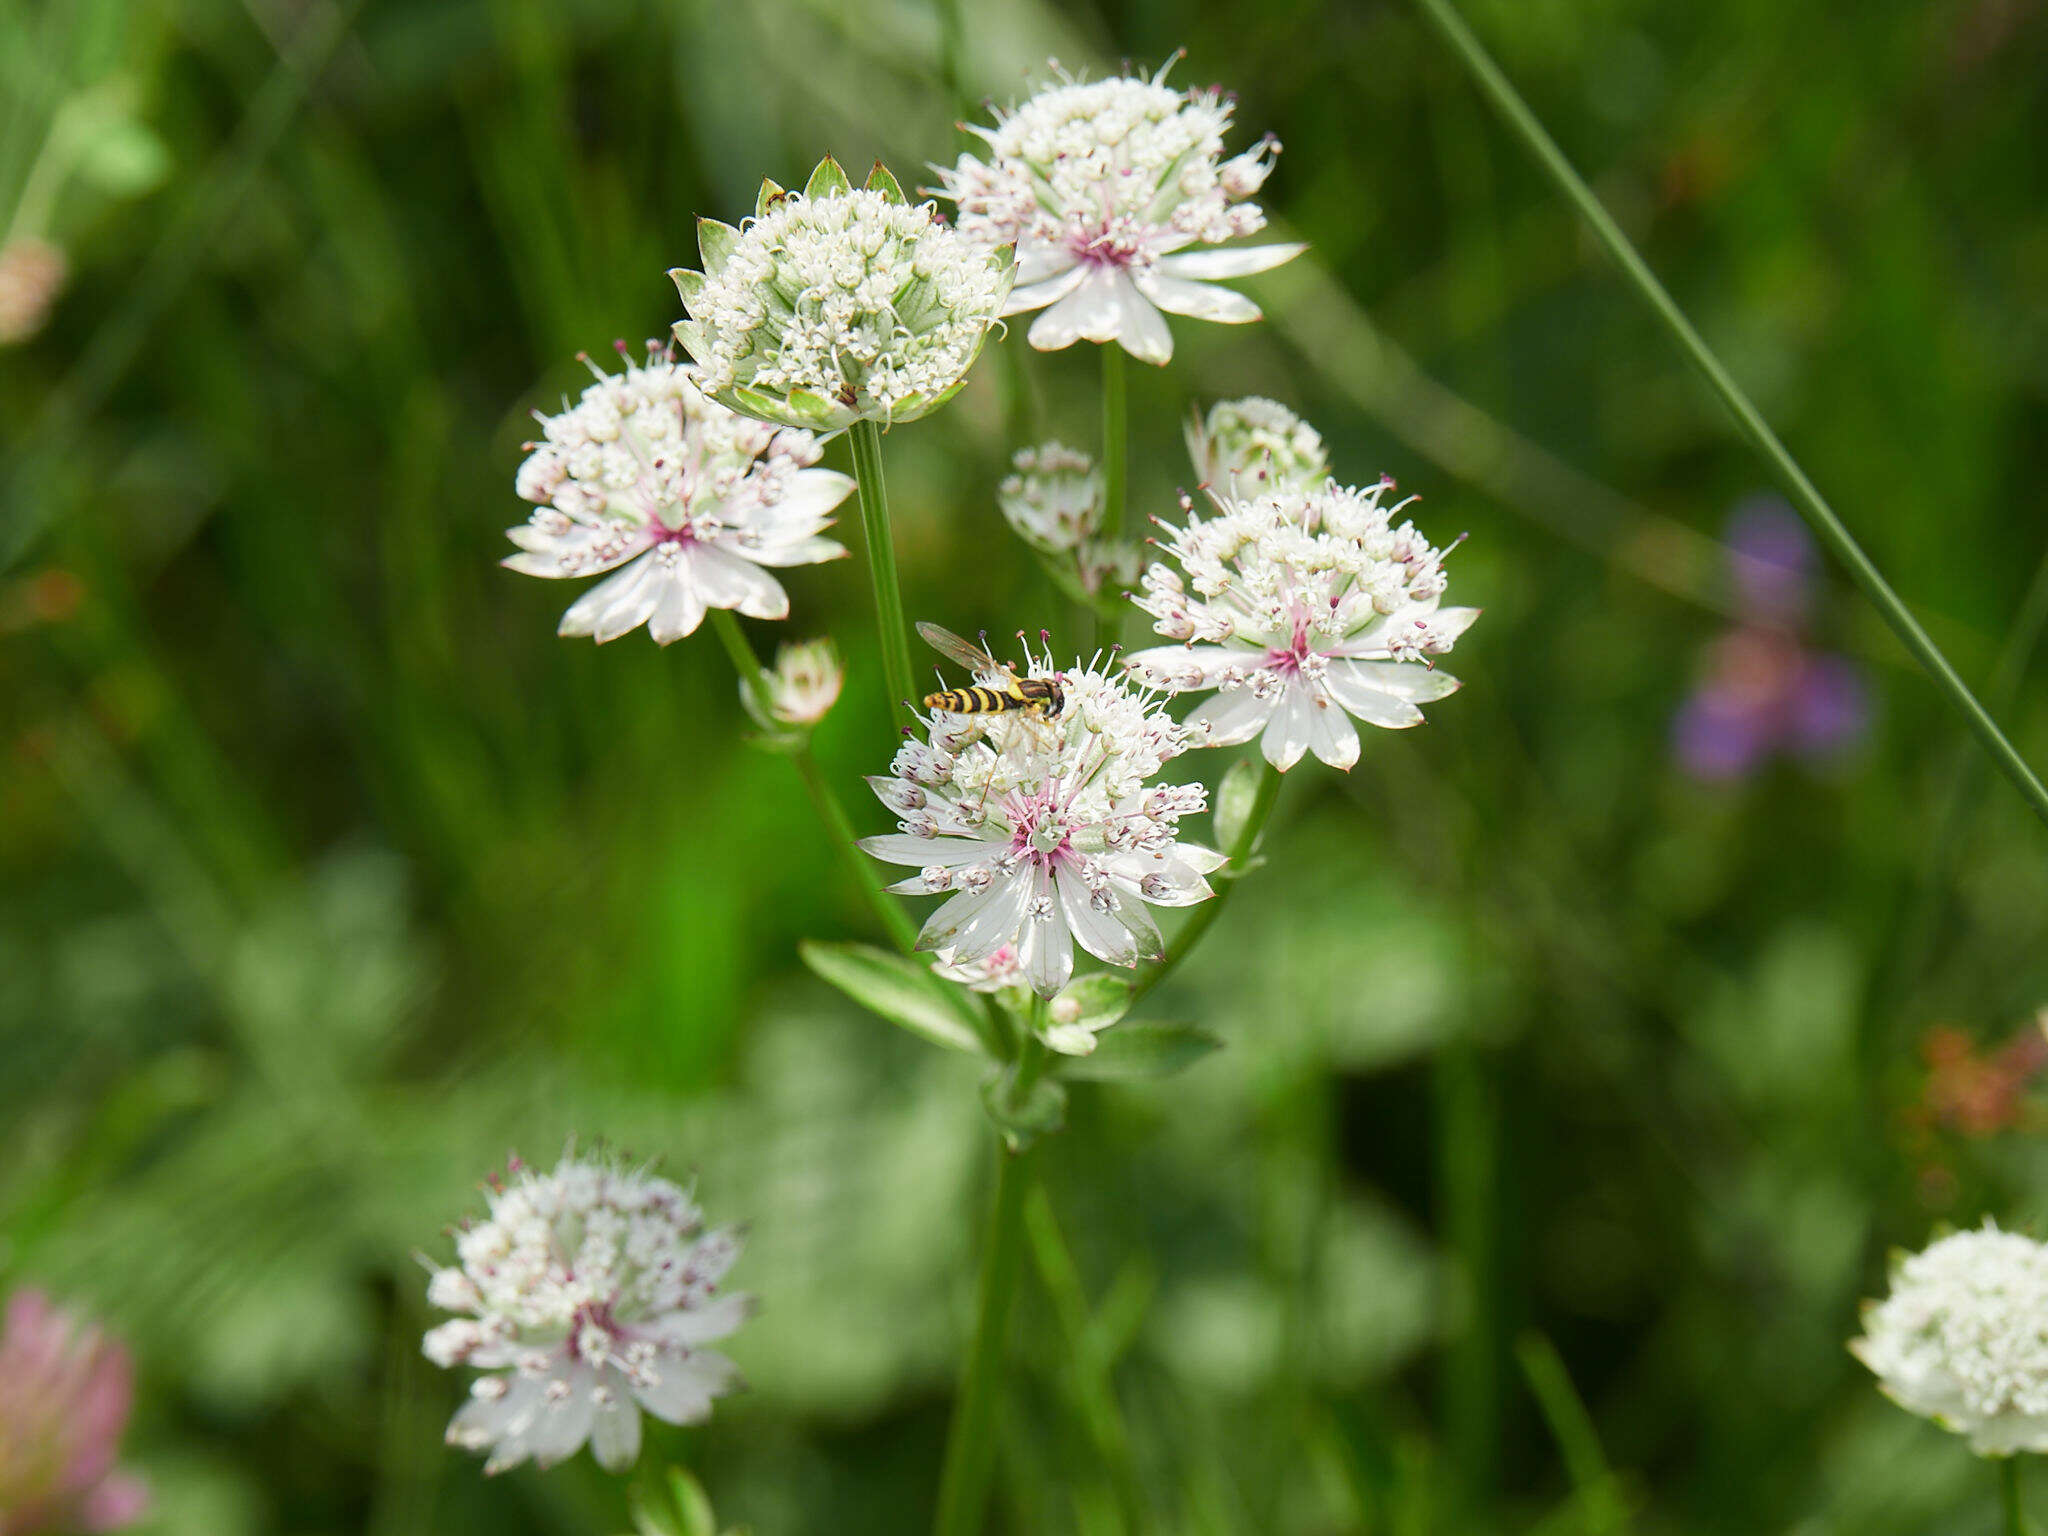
point(1305, 608)
point(592, 1291)
point(803, 685)
point(1253, 445)
point(1963, 1339)
point(692, 500)
point(65, 1392)
point(1052, 497)
point(1044, 832)
point(834, 304)
point(1102, 186)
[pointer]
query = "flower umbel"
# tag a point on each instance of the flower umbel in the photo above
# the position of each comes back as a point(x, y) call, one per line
point(834, 305)
point(1306, 608)
point(1249, 446)
point(1102, 186)
point(65, 1393)
point(692, 500)
point(591, 1290)
point(802, 686)
point(1962, 1339)
point(1042, 832)
point(1053, 498)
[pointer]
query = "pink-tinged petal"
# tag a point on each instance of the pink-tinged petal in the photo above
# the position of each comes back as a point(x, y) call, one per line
point(811, 551)
point(1099, 931)
point(1287, 733)
point(1198, 301)
point(1036, 294)
point(680, 608)
point(615, 1432)
point(1331, 735)
point(727, 581)
point(1362, 693)
point(1234, 715)
point(119, 1500)
point(1230, 261)
point(684, 1386)
point(1184, 668)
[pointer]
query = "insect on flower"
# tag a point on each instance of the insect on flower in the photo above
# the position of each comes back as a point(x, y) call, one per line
point(998, 689)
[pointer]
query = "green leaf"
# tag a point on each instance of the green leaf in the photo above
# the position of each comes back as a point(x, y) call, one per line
point(1023, 1118)
point(901, 990)
point(827, 180)
point(685, 1511)
point(1142, 1050)
point(715, 241)
point(771, 194)
point(1235, 797)
point(879, 180)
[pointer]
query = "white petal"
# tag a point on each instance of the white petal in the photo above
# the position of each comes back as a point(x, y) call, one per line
point(1100, 933)
point(1036, 294)
point(728, 581)
point(1137, 917)
point(1038, 260)
point(680, 608)
point(814, 493)
point(482, 1421)
point(1144, 334)
point(615, 605)
point(1047, 949)
point(561, 1427)
point(809, 551)
point(1183, 879)
point(977, 926)
point(1450, 623)
point(1092, 310)
point(1183, 668)
point(1364, 695)
point(684, 1386)
point(1414, 681)
point(1233, 261)
point(700, 1325)
point(1200, 301)
point(908, 848)
point(615, 1433)
point(1331, 735)
point(1287, 732)
point(1234, 715)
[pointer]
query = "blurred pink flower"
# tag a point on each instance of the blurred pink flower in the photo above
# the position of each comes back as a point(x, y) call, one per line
point(65, 1392)
point(1762, 690)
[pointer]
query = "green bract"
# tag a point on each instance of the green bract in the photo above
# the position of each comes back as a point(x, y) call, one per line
point(838, 304)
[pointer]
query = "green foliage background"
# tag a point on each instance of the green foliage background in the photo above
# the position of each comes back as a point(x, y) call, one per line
point(330, 874)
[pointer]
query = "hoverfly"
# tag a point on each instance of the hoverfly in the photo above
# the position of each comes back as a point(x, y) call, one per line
point(999, 689)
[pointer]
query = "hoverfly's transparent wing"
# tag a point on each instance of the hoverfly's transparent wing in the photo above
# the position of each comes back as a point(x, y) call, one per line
point(974, 658)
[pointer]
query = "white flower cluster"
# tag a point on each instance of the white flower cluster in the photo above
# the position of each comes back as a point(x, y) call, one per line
point(1043, 831)
point(834, 305)
point(1252, 445)
point(593, 1290)
point(1963, 1338)
point(802, 686)
point(646, 473)
point(1305, 608)
point(1101, 186)
point(1053, 498)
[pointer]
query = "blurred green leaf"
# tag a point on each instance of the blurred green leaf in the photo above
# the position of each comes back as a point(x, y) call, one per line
point(904, 991)
point(1143, 1049)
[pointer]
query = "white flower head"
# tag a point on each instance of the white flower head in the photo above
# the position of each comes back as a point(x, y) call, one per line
point(685, 500)
point(1252, 445)
point(1305, 608)
point(591, 1291)
point(1053, 497)
point(1102, 186)
point(836, 304)
point(803, 685)
point(1042, 832)
point(1963, 1338)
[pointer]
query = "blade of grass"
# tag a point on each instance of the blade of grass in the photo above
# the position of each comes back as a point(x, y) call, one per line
point(1600, 1508)
point(1827, 527)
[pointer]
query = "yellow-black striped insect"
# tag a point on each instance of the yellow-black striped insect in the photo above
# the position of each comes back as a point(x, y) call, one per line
point(998, 689)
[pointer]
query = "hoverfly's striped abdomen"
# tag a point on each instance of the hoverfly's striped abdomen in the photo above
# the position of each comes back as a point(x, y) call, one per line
point(975, 701)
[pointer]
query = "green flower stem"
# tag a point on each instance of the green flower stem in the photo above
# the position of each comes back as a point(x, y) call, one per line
point(866, 438)
point(1225, 880)
point(1114, 427)
point(2015, 1523)
point(901, 929)
point(971, 1441)
point(1827, 527)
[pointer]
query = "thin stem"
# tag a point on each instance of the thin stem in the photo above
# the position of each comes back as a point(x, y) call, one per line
point(866, 438)
point(901, 929)
point(2009, 1496)
point(970, 1442)
point(1225, 881)
point(1115, 415)
point(1827, 527)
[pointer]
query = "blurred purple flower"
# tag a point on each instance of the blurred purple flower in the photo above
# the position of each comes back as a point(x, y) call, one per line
point(65, 1392)
point(1761, 690)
